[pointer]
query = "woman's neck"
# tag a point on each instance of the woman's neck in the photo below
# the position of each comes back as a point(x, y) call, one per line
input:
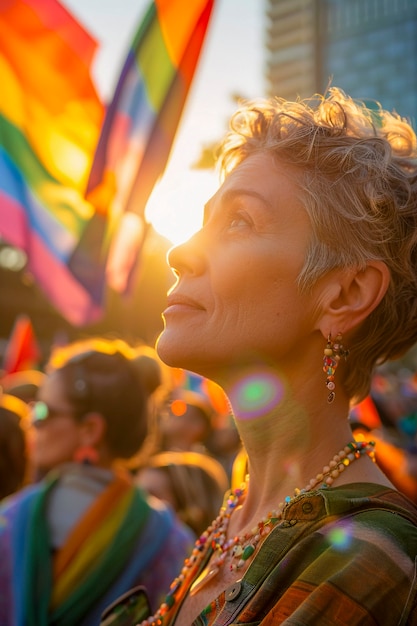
point(287, 442)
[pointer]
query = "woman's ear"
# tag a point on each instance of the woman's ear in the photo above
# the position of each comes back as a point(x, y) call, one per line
point(351, 296)
point(93, 429)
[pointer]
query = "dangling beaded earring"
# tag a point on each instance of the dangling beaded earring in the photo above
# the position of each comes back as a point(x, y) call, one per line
point(332, 355)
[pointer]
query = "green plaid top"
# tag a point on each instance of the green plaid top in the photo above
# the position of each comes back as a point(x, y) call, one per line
point(345, 556)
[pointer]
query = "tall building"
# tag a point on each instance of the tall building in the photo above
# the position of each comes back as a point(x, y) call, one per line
point(366, 47)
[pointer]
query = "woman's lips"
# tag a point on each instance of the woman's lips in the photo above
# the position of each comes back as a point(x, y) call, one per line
point(178, 303)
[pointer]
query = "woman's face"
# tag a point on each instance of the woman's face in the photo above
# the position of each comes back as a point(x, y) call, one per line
point(56, 437)
point(236, 293)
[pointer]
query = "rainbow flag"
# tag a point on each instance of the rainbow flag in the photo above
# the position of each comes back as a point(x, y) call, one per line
point(50, 120)
point(141, 123)
point(72, 189)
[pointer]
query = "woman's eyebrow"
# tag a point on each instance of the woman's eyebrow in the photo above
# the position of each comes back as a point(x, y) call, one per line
point(229, 195)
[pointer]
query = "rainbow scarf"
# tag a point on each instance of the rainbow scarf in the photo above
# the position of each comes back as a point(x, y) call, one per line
point(50, 124)
point(61, 590)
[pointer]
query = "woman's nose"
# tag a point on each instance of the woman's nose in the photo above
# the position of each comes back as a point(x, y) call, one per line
point(187, 257)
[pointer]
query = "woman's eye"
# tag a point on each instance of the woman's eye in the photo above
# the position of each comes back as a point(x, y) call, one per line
point(238, 220)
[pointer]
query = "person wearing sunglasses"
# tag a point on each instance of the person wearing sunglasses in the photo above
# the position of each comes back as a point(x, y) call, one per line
point(84, 534)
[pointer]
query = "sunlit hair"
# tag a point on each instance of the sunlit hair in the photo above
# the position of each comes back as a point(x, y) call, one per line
point(358, 184)
point(100, 375)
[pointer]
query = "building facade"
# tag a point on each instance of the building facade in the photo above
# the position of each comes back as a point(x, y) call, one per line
point(366, 47)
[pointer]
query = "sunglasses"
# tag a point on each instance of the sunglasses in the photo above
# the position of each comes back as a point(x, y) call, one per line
point(41, 412)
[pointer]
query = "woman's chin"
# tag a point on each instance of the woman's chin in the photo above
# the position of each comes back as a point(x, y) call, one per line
point(170, 350)
point(179, 353)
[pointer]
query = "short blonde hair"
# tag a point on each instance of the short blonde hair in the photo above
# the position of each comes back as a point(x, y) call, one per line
point(359, 186)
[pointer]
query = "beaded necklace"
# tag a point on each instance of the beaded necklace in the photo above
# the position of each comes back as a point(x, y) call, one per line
point(241, 549)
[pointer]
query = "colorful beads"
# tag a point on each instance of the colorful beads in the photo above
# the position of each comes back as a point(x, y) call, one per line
point(241, 549)
point(247, 552)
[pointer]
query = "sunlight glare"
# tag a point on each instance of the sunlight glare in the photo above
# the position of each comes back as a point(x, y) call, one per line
point(175, 207)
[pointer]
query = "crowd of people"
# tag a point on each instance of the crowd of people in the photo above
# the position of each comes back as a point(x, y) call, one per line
point(101, 498)
point(123, 502)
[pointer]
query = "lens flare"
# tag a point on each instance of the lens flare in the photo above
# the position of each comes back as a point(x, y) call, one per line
point(178, 407)
point(340, 537)
point(256, 394)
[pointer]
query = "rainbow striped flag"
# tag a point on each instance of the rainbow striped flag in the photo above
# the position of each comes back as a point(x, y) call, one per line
point(71, 187)
point(142, 120)
point(50, 120)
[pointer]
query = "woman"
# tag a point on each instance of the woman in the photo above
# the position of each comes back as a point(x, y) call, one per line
point(71, 544)
point(307, 261)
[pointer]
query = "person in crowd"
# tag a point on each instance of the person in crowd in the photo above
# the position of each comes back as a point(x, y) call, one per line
point(73, 542)
point(14, 423)
point(192, 483)
point(185, 421)
point(302, 278)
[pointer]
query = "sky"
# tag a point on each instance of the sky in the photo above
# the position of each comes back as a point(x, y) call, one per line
point(232, 61)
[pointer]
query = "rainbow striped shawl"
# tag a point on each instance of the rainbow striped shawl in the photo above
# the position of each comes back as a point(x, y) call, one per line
point(102, 558)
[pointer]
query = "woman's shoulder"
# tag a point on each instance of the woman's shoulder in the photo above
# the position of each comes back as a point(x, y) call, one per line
point(360, 497)
point(378, 514)
point(336, 548)
point(350, 499)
